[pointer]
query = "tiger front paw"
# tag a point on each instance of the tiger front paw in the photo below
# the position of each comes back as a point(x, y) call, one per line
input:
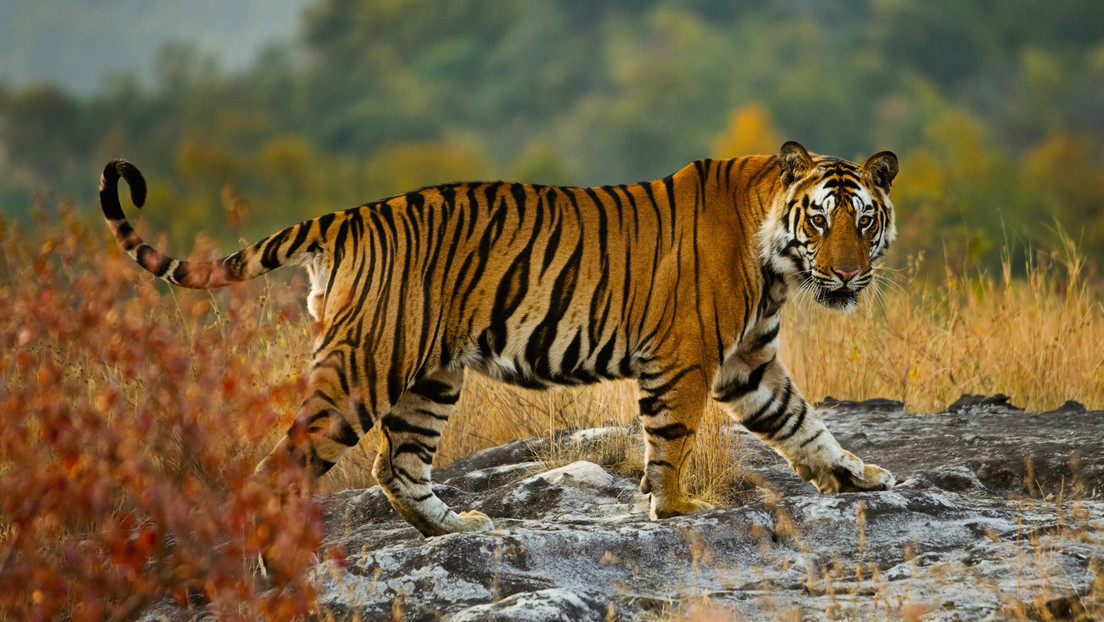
point(852, 475)
point(666, 508)
point(471, 521)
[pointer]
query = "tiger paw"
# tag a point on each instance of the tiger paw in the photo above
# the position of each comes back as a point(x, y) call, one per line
point(467, 522)
point(667, 508)
point(851, 476)
point(473, 521)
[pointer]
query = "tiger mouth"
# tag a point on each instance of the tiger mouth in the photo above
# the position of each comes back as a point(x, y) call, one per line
point(842, 298)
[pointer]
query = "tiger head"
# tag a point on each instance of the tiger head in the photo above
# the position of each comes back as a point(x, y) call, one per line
point(832, 222)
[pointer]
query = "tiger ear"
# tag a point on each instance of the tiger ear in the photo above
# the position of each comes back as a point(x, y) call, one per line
point(882, 168)
point(795, 162)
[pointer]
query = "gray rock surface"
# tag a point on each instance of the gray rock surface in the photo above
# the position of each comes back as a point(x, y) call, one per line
point(999, 515)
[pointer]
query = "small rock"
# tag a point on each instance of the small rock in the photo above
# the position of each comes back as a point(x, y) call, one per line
point(876, 404)
point(1070, 407)
point(972, 404)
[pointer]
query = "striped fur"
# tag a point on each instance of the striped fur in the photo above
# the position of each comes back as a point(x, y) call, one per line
point(677, 282)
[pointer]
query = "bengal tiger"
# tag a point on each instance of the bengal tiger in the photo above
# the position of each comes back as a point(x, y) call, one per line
point(677, 283)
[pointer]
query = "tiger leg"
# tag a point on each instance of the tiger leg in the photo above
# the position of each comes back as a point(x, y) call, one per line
point(329, 421)
point(761, 395)
point(671, 406)
point(408, 441)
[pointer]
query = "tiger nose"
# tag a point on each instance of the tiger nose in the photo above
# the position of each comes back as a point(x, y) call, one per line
point(845, 275)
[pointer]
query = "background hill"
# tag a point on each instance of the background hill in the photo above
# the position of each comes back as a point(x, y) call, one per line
point(83, 45)
point(996, 109)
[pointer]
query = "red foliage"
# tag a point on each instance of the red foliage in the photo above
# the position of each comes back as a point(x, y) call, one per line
point(131, 418)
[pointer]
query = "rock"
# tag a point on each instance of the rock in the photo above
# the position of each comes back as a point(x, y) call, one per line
point(1071, 407)
point(997, 516)
point(968, 404)
point(876, 404)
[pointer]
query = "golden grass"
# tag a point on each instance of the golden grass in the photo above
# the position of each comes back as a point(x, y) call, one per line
point(1036, 338)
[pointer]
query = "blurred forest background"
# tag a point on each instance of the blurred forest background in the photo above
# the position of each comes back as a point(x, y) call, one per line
point(995, 108)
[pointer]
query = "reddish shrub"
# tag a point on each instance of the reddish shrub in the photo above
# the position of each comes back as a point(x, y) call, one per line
point(131, 418)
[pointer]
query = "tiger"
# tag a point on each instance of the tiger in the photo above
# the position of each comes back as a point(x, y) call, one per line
point(678, 283)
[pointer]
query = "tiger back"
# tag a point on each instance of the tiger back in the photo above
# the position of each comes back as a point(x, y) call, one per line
point(677, 283)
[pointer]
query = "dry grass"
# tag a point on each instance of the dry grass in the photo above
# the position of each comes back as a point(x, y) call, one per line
point(1036, 338)
point(131, 414)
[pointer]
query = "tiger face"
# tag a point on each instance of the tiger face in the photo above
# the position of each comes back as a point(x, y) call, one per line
point(833, 223)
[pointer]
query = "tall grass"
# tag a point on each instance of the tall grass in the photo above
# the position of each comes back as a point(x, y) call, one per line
point(132, 414)
point(1037, 338)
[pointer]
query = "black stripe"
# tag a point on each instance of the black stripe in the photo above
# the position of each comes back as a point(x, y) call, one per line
point(670, 383)
point(651, 405)
point(346, 435)
point(647, 187)
point(517, 191)
point(669, 185)
point(152, 260)
point(123, 230)
point(402, 473)
point(605, 353)
point(769, 421)
point(483, 253)
point(365, 416)
point(812, 438)
point(553, 243)
point(800, 419)
point(473, 210)
point(431, 414)
point(397, 381)
point(610, 192)
point(599, 318)
point(669, 432)
point(571, 355)
point(509, 295)
point(764, 339)
point(433, 237)
point(316, 465)
point(270, 251)
point(544, 335)
point(396, 424)
point(324, 223)
point(728, 167)
point(436, 391)
point(318, 394)
point(717, 330)
point(301, 231)
point(735, 389)
point(423, 451)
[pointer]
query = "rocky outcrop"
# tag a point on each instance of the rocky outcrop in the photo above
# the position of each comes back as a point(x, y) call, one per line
point(999, 513)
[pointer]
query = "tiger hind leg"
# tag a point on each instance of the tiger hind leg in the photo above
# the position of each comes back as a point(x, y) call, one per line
point(671, 406)
point(327, 424)
point(409, 435)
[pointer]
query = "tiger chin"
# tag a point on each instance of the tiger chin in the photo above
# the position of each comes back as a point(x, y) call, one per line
point(678, 283)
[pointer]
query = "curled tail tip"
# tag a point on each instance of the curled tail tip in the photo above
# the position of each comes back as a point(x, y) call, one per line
point(122, 168)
